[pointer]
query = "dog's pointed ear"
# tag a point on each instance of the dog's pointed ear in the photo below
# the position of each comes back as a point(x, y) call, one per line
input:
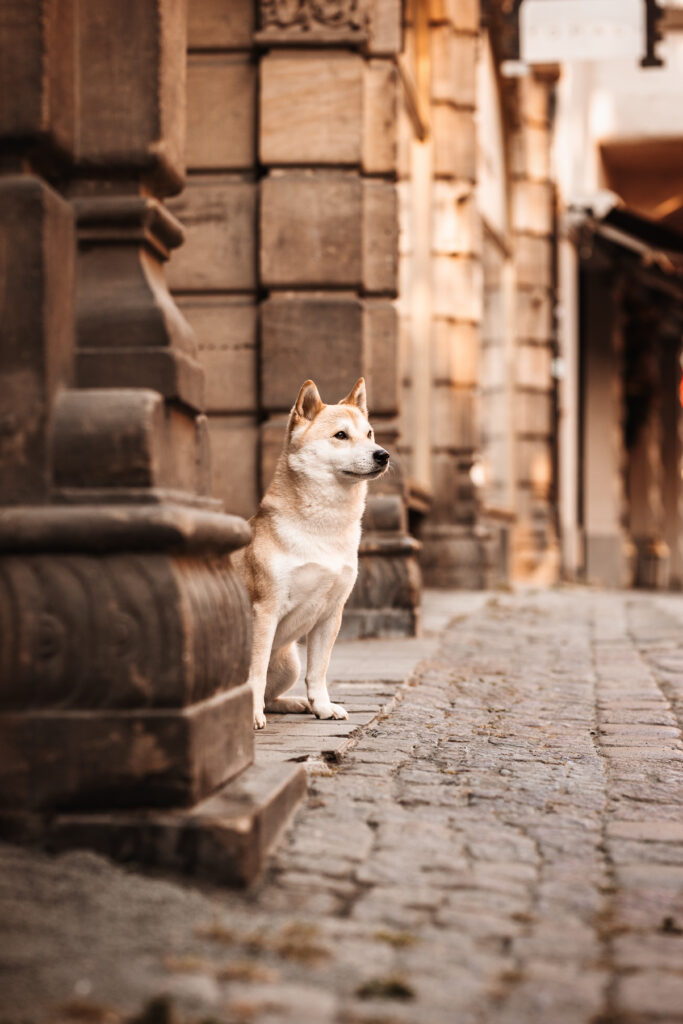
point(309, 403)
point(357, 396)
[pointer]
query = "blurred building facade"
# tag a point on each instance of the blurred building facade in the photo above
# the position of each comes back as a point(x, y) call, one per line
point(386, 188)
point(618, 158)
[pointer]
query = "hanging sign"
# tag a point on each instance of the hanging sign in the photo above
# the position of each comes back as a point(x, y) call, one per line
point(554, 31)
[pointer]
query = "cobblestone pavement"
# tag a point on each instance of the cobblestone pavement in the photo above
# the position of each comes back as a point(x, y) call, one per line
point(506, 847)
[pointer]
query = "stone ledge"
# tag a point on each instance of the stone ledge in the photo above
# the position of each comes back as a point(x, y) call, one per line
point(225, 838)
point(87, 528)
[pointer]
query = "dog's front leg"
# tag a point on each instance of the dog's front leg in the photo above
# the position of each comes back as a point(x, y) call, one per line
point(319, 647)
point(264, 624)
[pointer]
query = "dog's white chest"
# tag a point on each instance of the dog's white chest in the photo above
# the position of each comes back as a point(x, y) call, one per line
point(312, 591)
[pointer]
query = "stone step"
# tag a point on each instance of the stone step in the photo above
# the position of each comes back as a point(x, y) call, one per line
point(224, 838)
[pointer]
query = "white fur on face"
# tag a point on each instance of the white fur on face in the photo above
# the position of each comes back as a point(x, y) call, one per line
point(315, 449)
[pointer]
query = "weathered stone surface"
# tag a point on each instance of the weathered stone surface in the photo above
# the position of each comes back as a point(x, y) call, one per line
point(454, 142)
point(311, 108)
point(532, 412)
point(534, 99)
point(271, 437)
point(453, 556)
point(107, 438)
point(37, 51)
point(456, 221)
point(129, 332)
point(169, 758)
point(219, 218)
point(123, 527)
point(315, 23)
point(531, 458)
point(117, 728)
point(319, 337)
point(126, 444)
point(453, 487)
point(224, 838)
point(533, 314)
point(533, 366)
point(386, 598)
point(457, 288)
point(380, 333)
point(453, 56)
point(225, 328)
point(463, 14)
point(533, 207)
point(533, 261)
point(221, 112)
point(329, 230)
point(386, 35)
point(154, 615)
point(530, 153)
point(380, 117)
point(454, 422)
point(311, 230)
point(148, 135)
point(234, 463)
point(455, 352)
point(220, 23)
point(37, 349)
point(380, 238)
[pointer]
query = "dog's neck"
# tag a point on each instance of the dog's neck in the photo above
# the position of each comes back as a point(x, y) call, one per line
point(323, 507)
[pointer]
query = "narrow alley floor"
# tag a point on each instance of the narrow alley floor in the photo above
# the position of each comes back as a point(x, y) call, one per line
point(504, 847)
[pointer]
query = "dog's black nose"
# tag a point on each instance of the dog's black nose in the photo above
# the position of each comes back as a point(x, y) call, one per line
point(380, 456)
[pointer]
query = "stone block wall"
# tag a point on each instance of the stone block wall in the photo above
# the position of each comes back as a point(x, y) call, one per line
point(453, 552)
point(534, 547)
point(215, 278)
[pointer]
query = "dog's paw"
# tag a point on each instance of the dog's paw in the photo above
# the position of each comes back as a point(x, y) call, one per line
point(259, 720)
point(328, 710)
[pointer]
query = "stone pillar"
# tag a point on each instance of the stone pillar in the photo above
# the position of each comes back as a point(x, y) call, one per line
point(125, 636)
point(672, 454)
point(569, 405)
point(608, 554)
point(646, 464)
point(534, 543)
point(328, 255)
point(454, 549)
point(415, 158)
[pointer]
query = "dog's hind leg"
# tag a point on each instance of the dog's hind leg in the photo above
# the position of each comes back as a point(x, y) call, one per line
point(283, 672)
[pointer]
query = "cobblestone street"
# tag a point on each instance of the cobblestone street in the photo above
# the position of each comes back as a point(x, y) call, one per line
point(506, 845)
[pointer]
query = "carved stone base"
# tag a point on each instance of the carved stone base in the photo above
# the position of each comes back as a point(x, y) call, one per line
point(124, 653)
point(160, 757)
point(386, 598)
point(456, 556)
point(225, 838)
point(653, 563)
point(610, 560)
point(535, 553)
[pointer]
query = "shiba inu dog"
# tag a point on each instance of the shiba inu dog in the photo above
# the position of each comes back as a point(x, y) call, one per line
point(302, 561)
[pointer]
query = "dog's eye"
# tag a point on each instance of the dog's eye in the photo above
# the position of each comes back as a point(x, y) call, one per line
point(369, 433)
point(341, 435)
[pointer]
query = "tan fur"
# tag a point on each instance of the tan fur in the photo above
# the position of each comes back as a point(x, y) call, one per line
point(302, 562)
